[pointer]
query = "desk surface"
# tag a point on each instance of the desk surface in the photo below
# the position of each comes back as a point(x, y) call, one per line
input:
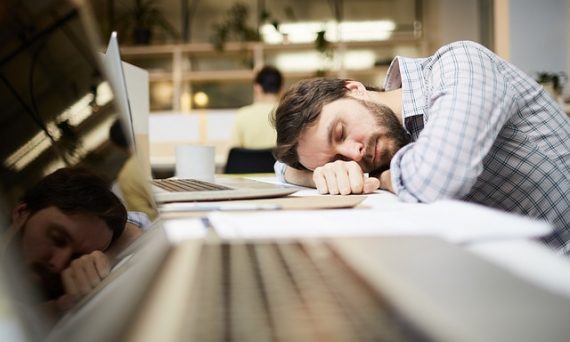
point(528, 259)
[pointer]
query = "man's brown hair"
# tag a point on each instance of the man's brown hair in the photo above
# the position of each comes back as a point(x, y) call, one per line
point(300, 107)
point(77, 190)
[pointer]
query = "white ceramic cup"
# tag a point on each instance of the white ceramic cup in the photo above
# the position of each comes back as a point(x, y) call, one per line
point(195, 161)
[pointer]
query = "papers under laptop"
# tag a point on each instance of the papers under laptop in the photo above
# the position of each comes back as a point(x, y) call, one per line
point(175, 190)
point(452, 220)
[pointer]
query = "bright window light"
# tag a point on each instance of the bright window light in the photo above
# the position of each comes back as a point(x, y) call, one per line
point(359, 59)
point(311, 61)
point(305, 32)
point(300, 61)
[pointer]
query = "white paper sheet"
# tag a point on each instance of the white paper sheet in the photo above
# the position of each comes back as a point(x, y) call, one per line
point(455, 221)
point(179, 230)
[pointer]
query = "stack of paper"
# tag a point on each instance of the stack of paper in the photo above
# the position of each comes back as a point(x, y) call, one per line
point(455, 221)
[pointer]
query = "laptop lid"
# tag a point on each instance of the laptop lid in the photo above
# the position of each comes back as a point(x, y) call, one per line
point(235, 188)
point(112, 61)
point(57, 111)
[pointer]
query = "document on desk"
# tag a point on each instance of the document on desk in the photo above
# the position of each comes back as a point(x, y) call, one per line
point(281, 203)
point(454, 221)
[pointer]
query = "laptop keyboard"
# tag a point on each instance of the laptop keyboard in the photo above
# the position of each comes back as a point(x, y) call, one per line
point(286, 292)
point(180, 185)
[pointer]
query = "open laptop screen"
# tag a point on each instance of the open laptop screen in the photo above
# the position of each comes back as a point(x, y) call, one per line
point(57, 107)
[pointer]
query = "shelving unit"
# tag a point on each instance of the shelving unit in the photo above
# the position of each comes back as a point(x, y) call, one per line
point(175, 63)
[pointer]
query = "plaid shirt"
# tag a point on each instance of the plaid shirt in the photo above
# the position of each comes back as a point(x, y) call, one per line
point(485, 132)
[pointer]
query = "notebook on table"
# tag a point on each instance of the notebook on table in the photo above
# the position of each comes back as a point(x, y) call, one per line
point(203, 288)
point(173, 190)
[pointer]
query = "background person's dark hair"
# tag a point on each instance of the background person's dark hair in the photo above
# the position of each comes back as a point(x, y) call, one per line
point(117, 135)
point(270, 79)
point(76, 190)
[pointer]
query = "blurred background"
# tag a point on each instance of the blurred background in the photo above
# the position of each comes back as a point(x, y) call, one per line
point(201, 55)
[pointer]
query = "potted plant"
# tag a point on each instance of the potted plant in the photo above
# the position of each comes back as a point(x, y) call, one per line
point(234, 27)
point(143, 18)
point(552, 82)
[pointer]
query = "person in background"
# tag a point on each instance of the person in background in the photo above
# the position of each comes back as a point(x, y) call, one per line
point(66, 231)
point(133, 186)
point(252, 128)
point(461, 124)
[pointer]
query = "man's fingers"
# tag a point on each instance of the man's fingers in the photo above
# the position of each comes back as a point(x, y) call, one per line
point(91, 274)
point(371, 184)
point(102, 264)
point(85, 273)
point(76, 281)
point(339, 177)
point(320, 181)
point(356, 179)
point(331, 178)
point(70, 285)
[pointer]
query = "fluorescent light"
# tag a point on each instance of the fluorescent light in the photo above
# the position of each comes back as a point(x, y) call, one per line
point(305, 32)
point(300, 61)
point(359, 59)
point(310, 61)
point(362, 31)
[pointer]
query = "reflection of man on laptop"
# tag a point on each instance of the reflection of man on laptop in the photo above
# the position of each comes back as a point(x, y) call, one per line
point(60, 229)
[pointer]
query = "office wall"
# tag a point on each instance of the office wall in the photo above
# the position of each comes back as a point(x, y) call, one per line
point(446, 21)
point(539, 35)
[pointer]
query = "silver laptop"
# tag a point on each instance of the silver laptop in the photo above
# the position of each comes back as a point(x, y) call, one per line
point(397, 288)
point(174, 190)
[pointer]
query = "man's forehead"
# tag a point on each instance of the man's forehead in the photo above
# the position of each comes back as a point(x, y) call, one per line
point(313, 146)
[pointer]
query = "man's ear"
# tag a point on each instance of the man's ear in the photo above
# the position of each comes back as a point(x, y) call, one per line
point(20, 214)
point(356, 89)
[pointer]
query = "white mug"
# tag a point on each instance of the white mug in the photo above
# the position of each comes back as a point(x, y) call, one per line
point(196, 162)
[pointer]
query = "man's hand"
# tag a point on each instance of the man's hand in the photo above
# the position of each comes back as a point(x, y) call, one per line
point(84, 273)
point(343, 177)
point(386, 181)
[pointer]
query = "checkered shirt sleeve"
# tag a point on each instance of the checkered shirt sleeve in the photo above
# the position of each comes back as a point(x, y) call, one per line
point(491, 135)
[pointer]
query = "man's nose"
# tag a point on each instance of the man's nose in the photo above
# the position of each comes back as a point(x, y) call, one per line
point(351, 150)
point(60, 259)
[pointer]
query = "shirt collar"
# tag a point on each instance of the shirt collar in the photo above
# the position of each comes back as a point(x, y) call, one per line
point(407, 73)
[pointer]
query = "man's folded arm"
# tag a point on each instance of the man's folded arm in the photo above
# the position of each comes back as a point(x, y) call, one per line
point(293, 176)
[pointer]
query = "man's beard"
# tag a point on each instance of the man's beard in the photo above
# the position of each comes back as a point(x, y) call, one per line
point(393, 139)
point(50, 285)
